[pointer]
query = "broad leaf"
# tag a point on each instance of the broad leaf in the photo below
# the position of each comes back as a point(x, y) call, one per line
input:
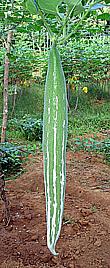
point(104, 16)
point(49, 6)
point(107, 1)
point(31, 6)
point(21, 29)
point(78, 9)
point(72, 3)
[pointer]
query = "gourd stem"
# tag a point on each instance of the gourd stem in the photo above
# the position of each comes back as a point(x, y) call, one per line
point(66, 20)
point(76, 27)
point(45, 22)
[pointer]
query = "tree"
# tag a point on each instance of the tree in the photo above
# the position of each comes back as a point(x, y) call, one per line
point(5, 91)
point(14, 19)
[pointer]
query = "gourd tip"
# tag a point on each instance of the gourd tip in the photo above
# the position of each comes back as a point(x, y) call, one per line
point(52, 250)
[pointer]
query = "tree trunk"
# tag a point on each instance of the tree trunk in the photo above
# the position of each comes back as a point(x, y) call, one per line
point(14, 99)
point(5, 91)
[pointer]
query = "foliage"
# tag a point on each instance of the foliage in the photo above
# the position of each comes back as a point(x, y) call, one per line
point(91, 115)
point(99, 91)
point(28, 57)
point(31, 128)
point(87, 59)
point(29, 100)
point(90, 144)
point(10, 157)
point(25, 33)
point(13, 155)
point(85, 56)
point(25, 62)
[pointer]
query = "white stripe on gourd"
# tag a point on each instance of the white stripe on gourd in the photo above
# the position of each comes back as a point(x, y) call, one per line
point(54, 146)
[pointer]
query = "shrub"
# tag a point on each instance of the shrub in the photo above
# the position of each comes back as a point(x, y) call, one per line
point(92, 145)
point(30, 127)
point(10, 157)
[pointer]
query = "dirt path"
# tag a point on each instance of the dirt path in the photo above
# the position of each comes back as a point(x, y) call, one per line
point(85, 235)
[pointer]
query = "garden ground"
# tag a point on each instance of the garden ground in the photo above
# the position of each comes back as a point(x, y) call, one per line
point(85, 237)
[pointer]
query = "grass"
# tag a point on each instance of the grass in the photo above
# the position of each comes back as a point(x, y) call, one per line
point(29, 101)
point(91, 116)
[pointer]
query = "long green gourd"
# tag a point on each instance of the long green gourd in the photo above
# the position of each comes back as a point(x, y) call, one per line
point(54, 146)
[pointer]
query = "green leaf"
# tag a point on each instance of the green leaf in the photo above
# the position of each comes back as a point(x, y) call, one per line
point(49, 6)
point(72, 3)
point(21, 29)
point(31, 7)
point(78, 9)
point(107, 1)
point(104, 16)
point(2, 15)
point(34, 27)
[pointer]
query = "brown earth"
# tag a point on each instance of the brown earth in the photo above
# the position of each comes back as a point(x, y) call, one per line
point(85, 237)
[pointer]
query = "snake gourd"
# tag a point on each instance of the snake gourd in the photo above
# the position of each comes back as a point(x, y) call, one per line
point(54, 146)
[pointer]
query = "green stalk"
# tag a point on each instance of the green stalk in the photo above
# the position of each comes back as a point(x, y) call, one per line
point(76, 27)
point(45, 23)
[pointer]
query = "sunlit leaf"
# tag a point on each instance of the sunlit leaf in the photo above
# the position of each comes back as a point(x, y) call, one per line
point(49, 6)
point(31, 7)
point(72, 3)
point(78, 9)
point(96, 6)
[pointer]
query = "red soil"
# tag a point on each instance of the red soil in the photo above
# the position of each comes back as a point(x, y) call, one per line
point(85, 236)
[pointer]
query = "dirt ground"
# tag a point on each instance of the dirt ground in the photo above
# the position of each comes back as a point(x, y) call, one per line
point(85, 236)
